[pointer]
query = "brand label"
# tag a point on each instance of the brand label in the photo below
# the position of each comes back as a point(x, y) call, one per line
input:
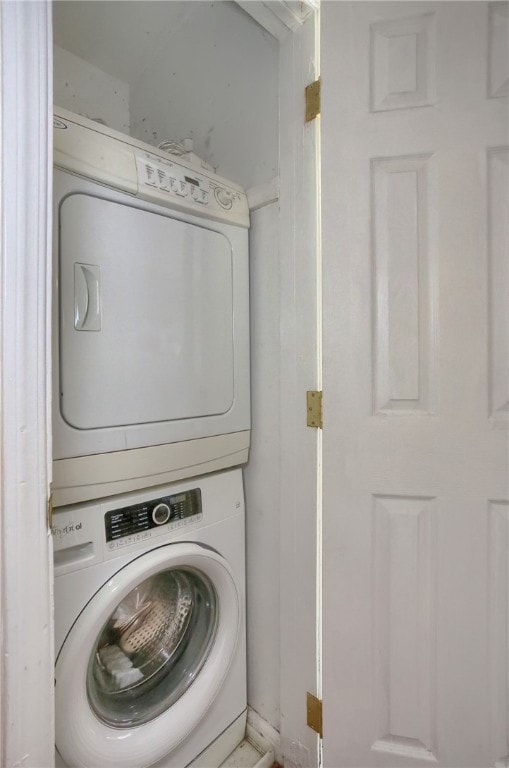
point(67, 530)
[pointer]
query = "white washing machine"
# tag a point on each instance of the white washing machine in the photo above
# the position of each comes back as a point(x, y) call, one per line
point(150, 626)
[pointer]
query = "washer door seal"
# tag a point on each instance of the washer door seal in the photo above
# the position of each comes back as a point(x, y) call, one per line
point(154, 706)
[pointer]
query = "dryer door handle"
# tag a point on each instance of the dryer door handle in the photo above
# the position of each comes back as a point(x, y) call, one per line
point(87, 297)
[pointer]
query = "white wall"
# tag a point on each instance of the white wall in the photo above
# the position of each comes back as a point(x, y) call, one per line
point(225, 97)
point(83, 88)
point(262, 474)
point(193, 69)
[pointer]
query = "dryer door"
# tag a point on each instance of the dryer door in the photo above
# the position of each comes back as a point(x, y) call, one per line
point(146, 316)
point(146, 657)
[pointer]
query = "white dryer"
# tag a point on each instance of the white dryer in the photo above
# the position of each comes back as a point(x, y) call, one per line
point(151, 316)
point(150, 626)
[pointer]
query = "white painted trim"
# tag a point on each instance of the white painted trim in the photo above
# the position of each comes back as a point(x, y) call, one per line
point(266, 760)
point(300, 371)
point(263, 194)
point(263, 735)
point(265, 18)
point(310, 6)
point(292, 13)
point(27, 726)
point(279, 16)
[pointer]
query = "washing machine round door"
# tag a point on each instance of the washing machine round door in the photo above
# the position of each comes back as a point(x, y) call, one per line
point(146, 658)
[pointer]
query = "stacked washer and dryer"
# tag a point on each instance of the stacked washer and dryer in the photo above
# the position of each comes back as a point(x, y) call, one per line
point(151, 424)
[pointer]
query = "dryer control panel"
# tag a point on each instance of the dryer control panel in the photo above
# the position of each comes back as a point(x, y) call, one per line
point(92, 150)
point(162, 179)
point(134, 523)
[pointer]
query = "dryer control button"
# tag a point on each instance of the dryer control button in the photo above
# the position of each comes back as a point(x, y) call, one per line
point(223, 197)
point(161, 514)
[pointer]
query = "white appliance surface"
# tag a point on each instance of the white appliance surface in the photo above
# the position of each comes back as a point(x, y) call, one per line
point(104, 551)
point(161, 292)
point(151, 316)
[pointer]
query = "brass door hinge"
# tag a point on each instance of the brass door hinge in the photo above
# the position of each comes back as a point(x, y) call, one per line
point(314, 713)
point(312, 100)
point(314, 409)
point(50, 511)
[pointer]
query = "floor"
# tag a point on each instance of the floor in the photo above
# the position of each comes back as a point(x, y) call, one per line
point(247, 755)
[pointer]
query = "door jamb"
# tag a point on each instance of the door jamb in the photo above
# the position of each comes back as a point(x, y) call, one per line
point(300, 338)
point(296, 26)
point(26, 637)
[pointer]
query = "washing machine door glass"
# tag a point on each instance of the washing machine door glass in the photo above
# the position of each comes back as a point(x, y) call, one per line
point(152, 647)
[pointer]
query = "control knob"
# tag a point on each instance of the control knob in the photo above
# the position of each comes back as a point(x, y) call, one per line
point(161, 513)
point(223, 197)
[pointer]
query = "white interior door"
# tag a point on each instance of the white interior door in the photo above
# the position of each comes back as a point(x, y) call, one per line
point(416, 317)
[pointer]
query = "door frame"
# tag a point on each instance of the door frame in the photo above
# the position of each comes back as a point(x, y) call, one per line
point(26, 607)
point(300, 340)
point(26, 639)
point(296, 26)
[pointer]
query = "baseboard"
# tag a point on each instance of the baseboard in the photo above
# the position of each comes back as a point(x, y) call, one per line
point(262, 734)
point(224, 745)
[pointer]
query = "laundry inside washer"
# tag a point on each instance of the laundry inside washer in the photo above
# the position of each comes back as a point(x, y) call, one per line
point(152, 647)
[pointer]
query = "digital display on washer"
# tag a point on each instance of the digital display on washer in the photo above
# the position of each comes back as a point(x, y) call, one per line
point(151, 514)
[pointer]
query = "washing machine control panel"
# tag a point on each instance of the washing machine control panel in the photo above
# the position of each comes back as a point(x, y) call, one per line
point(128, 525)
